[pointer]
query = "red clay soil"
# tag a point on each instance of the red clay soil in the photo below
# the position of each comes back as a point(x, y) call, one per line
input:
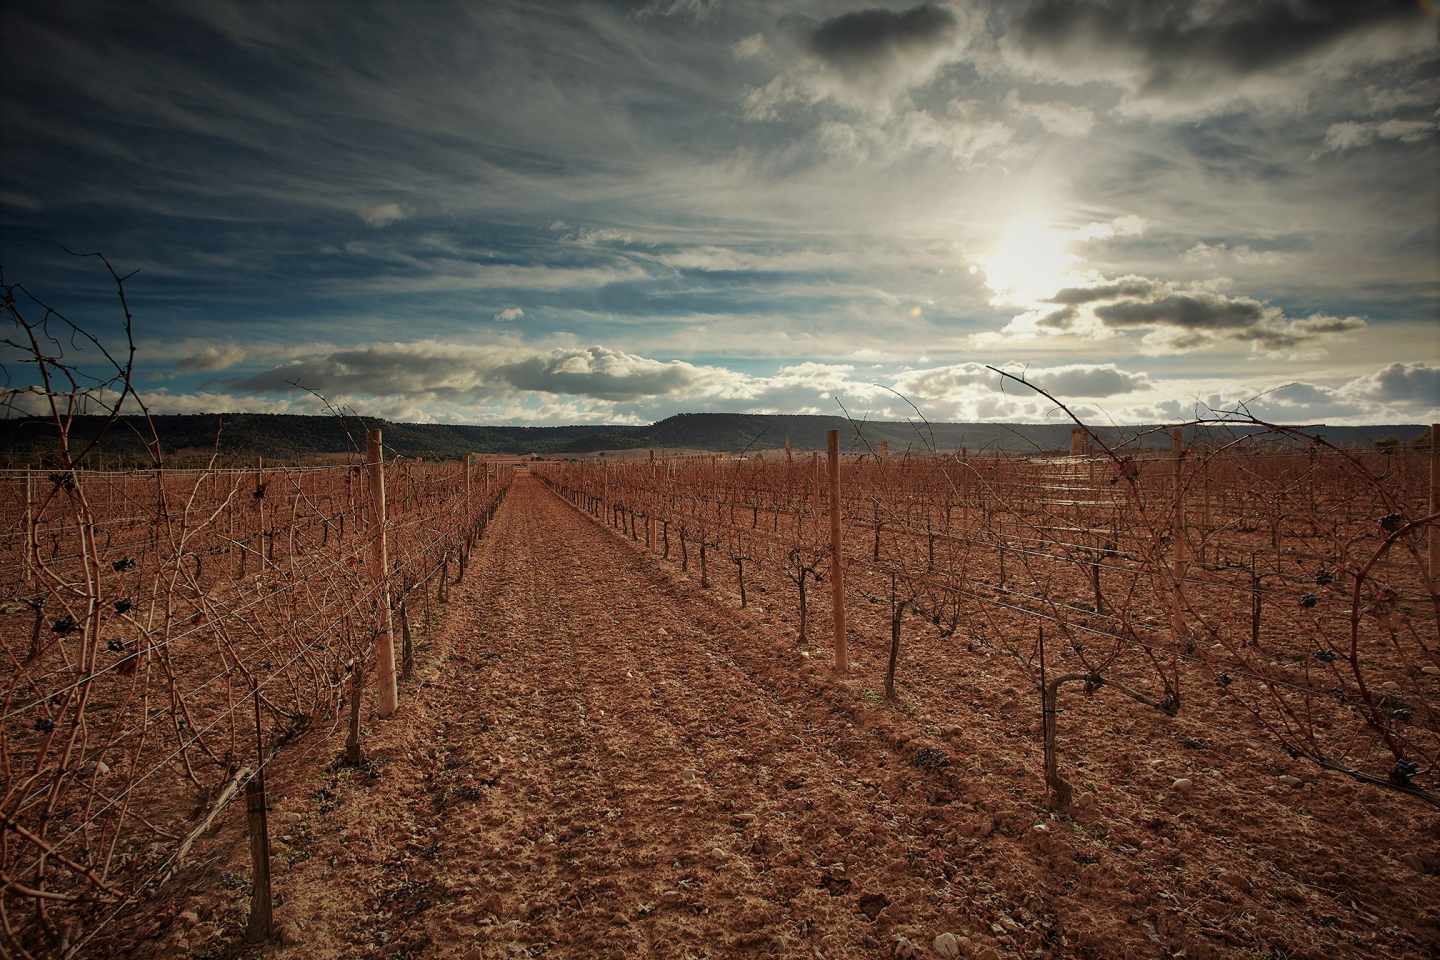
point(600, 759)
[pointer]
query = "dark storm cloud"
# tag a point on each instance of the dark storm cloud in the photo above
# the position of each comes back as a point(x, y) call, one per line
point(861, 39)
point(1182, 320)
point(1173, 41)
point(1062, 319)
point(1074, 296)
point(1185, 311)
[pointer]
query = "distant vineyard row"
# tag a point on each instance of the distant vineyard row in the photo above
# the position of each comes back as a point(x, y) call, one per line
point(1284, 576)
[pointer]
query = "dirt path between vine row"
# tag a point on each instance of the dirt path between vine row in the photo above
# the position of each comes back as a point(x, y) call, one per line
point(602, 760)
point(596, 775)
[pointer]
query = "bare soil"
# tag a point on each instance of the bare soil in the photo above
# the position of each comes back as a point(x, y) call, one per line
point(600, 759)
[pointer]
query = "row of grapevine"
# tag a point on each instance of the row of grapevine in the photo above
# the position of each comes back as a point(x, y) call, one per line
point(1294, 580)
point(167, 633)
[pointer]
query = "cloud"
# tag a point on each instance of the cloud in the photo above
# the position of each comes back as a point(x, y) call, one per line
point(1211, 254)
point(1089, 380)
point(863, 59)
point(448, 275)
point(1178, 57)
point(963, 380)
point(752, 46)
point(1186, 311)
point(381, 215)
point(22, 201)
point(212, 357)
point(1128, 225)
point(1401, 383)
point(454, 372)
point(1351, 134)
point(1385, 99)
point(1061, 119)
point(960, 134)
point(600, 373)
point(1114, 290)
point(879, 41)
point(509, 314)
point(1177, 319)
point(694, 9)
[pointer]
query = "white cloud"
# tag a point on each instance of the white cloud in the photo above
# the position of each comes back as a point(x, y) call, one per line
point(1212, 254)
point(509, 314)
point(382, 214)
point(216, 356)
point(967, 381)
point(1352, 134)
point(1415, 384)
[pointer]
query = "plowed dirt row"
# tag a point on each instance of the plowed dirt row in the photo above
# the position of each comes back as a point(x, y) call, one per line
point(597, 776)
point(602, 760)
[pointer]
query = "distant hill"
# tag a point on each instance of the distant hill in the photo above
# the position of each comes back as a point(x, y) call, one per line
point(289, 437)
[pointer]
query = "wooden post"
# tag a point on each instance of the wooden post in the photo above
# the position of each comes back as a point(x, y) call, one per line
point(468, 463)
point(1178, 530)
point(407, 646)
point(1077, 442)
point(1204, 509)
point(261, 927)
point(353, 754)
point(29, 527)
point(789, 456)
point(260, 508)
point(1254, 603)
point(1095, 584)
point(262, 918)
point(1434, 505)
point(380, 566)
point(837, 558)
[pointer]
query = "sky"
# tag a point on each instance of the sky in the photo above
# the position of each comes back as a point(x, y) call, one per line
point(586, 211)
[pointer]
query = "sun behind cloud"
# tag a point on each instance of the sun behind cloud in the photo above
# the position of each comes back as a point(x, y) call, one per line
point(1030, 259)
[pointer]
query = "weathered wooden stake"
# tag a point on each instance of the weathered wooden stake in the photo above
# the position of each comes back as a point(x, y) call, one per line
point(353, 753)
point(261, 927)
point(1178, 530)
point(389, 696)
point(897, 614)
point(29, 531)
point(837, 555)
point(260, 508)
point(1254, 604)
point(1095, 584)
point(407, 647)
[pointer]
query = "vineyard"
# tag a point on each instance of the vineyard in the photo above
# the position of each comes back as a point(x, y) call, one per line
point(781, 701)
point(170, 632)
point(1289, 579)
point(173, 633)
